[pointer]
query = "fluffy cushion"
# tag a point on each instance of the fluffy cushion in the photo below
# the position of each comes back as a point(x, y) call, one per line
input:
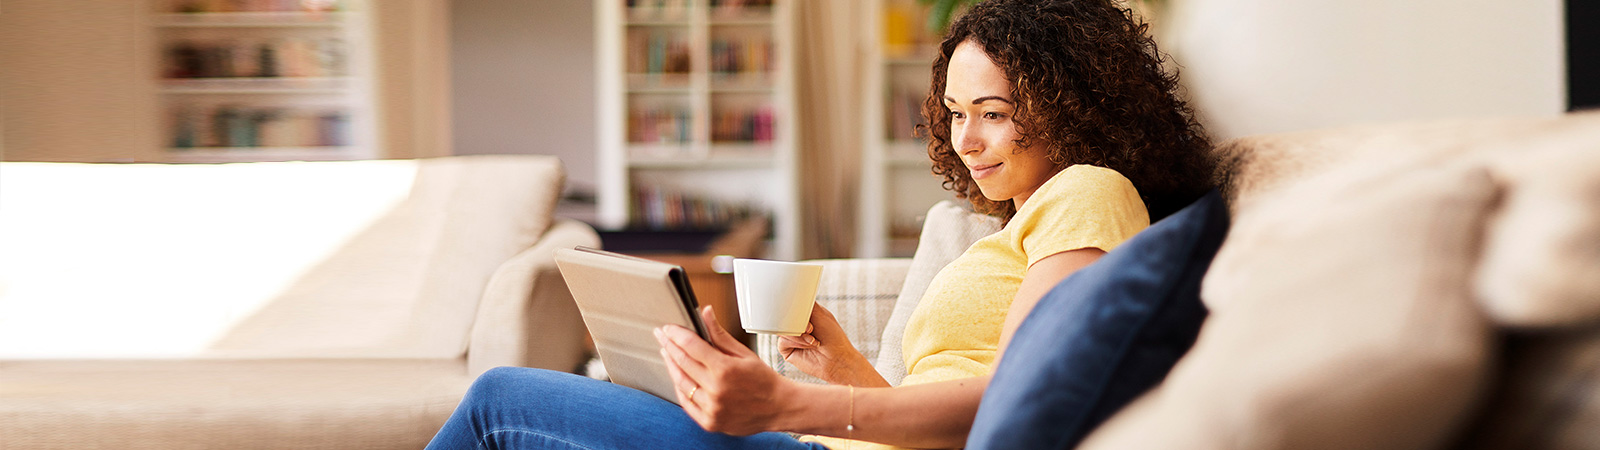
point(1254, 166)
point(946, 233)
point(1102, 336)
point(1344, 322)
point(1539, 254)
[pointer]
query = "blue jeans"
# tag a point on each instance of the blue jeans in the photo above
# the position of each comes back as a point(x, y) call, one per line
point(515, 407)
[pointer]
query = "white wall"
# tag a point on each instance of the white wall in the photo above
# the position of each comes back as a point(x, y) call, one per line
point(1259, 66)
point(523, 80)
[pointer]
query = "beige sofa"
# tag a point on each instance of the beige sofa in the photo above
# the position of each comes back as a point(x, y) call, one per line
point(1418, 285)
point(339, 305)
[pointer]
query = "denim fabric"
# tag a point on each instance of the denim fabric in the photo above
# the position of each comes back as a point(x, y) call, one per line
point(1102, 336)
point(522, 408)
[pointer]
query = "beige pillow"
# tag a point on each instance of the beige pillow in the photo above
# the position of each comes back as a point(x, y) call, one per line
point(1343, 320)
point(947, 231)
point(1541, 259)
point(1258, 165)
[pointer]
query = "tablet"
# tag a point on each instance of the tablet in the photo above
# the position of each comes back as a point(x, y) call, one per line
point(623, 299)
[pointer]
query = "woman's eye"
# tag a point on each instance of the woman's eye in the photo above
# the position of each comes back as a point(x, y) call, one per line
point(955, 115)
point(992, 115)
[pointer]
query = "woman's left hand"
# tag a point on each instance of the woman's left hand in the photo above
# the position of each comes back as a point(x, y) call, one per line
point(726, 388)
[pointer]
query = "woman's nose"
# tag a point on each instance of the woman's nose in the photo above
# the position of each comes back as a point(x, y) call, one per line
point(966, 139)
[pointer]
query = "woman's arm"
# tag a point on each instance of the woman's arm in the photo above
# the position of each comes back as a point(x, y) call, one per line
point(1040, 278)
point(728, 389)
point(734, 392)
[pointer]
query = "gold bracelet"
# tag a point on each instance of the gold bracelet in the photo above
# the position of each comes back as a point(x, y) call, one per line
point(850, 427)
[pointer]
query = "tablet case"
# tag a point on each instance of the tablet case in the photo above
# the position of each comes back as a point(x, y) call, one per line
point(622, 300)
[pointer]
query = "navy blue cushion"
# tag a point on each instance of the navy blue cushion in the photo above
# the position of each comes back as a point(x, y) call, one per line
point(1103, 336)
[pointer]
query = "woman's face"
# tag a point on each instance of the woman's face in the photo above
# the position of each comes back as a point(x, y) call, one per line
point(979, 98)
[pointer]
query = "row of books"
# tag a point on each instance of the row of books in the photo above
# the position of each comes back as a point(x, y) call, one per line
point(659, 125)
point(236, 126)
point(287, 57)
point(226, 6)
point(742, 124)
point(671, 10)
point(664, 125)
point(655, 208)
point(905, 113)
point(658, 52)
point(741, 55)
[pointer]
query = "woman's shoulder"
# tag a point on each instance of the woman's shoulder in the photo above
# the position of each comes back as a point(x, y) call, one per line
point(1082, 206)
point(1083, 183)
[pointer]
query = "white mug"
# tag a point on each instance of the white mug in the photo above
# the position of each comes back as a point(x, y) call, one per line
point(775, 297)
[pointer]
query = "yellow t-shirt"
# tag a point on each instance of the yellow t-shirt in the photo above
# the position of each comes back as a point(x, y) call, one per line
point(955, 331)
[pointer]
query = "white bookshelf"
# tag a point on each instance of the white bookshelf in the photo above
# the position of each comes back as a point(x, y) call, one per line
point(696, 99)
point(264, 80)
point(898, 185)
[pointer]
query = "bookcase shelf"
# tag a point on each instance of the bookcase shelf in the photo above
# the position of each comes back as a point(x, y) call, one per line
point(695, 105)
point(898, 185)
point(264, 81)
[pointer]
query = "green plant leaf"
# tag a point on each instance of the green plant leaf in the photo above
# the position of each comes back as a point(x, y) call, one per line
point(939, 15)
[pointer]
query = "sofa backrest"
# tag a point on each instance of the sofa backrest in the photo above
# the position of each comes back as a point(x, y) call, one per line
point(299, 259)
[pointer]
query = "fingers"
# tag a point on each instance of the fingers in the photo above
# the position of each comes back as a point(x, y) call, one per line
point(691, 362)
point(801, 341)
point(685, 390)
point(720, 336)
point(680, 381)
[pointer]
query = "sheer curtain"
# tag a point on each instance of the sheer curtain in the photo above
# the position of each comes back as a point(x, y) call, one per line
point(830, 61)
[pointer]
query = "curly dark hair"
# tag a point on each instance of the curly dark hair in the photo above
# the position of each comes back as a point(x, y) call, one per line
point(1087, 82)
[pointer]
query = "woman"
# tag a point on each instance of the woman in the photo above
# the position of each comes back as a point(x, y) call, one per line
point(1054, 115)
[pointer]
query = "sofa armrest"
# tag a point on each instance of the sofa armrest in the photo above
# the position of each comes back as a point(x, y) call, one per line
point(527, 316)
point(861, 293)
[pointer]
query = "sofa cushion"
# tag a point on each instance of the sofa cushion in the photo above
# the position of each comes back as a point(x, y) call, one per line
point(1258, 165)
point(861, 294)
point(1538, 256)
point(947, 232)
point(1102, 336)
point(304, 404)
point(1340, 318)
point(295, 259)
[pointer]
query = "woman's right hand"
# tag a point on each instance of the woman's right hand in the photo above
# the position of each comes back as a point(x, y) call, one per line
point(825, 352)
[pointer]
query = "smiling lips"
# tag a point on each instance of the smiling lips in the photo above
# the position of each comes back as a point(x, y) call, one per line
point(984, 171)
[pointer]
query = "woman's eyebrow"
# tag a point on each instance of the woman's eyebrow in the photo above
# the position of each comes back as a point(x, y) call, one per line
point(979, 100)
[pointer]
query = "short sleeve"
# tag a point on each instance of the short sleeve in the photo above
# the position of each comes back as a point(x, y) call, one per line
point(1080, 207)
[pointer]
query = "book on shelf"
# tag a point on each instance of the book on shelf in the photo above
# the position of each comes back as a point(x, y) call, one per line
point(743, 124)
point(272, 58)
point(737, 9)
point(234, 6)
point(741, 54)
point(663, 10)
point(240, 126)
point(905, 113)
point(658, 125)
point(658, 52)
point(656, 208)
